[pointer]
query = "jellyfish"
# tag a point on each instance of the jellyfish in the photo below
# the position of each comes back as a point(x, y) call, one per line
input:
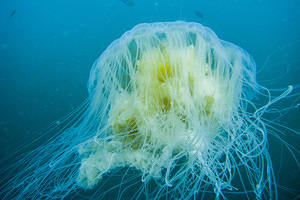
point(171, 108)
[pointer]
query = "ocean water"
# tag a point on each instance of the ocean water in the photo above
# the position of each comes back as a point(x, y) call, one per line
point(48, 47)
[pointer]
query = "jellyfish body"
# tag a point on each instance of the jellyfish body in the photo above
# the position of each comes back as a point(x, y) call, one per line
point(175, 91)
point(172, 101)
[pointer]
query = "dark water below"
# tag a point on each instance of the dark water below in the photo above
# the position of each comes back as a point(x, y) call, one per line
point(48, 47)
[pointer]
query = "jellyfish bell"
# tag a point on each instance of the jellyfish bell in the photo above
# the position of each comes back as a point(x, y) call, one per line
point(170, 100)
point(170, 89)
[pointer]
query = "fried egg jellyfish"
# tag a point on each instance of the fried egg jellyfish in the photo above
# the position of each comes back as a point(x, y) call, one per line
point(171, 101)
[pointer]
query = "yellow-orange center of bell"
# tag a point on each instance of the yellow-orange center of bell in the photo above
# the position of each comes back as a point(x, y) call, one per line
point(164, 72)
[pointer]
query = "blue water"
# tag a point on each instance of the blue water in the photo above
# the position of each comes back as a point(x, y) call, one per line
point(47, 49)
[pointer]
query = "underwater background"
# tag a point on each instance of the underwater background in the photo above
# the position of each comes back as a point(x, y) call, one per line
point(48, 47)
